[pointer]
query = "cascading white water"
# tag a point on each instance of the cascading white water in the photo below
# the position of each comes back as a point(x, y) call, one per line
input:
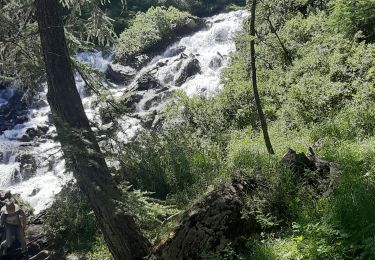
point(211, 47)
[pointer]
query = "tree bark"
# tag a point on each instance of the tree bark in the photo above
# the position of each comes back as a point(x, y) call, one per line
point(211, 224)
point(79, 144)
point(253, 74)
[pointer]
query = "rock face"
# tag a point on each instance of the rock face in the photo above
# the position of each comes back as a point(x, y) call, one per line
point(189, 68)
point(34, 132)
point(13, 110)
point(209, 225)
point(28, 166)
point(146, 82)
point(120, 74)
point(216, 62)
point(131, 100)
point(138, 61)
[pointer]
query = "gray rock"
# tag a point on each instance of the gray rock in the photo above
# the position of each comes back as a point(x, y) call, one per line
point(34, 192)
point(189, 68)
point(130, 101)
point(216, 62)
point(147, 82)
point(32, 133)
point(13, 111)
point(28, 166)
point(120, 74)
point(175, 51)
point(138, 61)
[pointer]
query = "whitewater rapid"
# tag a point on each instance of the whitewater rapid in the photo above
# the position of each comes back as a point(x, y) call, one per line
point(212, 47)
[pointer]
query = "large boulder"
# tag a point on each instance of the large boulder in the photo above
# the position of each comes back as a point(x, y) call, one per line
point(131, 100)
point(217, 61)
point(34, 132)
point(28, 166)
point(13, 110)
point(146, 82)
point(189, 67)
point(120, 74)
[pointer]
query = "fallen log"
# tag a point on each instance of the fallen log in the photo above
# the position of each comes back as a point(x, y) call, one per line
point(209, 225)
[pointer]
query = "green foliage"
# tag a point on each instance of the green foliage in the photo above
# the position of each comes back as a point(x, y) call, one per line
point(351, 16)
point(202, 7)
point(70, 219)
point(175, 164)
point(99, 251)
point(148, 29)
point(324, 98)
point(152, 214)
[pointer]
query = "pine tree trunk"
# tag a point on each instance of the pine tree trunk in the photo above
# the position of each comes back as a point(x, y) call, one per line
point(253, 73)
point(78, 142)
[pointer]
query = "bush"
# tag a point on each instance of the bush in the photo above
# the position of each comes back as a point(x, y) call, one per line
point(148, 30)
point(71, 220)
point(351, 16)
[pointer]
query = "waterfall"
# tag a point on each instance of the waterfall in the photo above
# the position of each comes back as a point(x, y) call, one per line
point(31, 161)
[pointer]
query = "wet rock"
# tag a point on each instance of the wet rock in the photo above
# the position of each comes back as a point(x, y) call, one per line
point(216, 62)
point(147, 82)
point(161, 64)
point(221, 34)
point(175, 51)
point(28, 166)
point(131, 100)
point(39, 104)
point(5, 195)
point(138, 61)
point(148, 119)
point(120, 74)
point(33, 132)
point(154, 101)
point(13, 110)
point(39, 244)
point(168, 78)
point(189, 68)
point(34, 192)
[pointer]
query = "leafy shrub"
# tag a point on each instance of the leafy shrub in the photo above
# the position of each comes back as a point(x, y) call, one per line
point(351, 16)
point(99, 251)
point(173, 164)
point(70, 219)
point(149, 29)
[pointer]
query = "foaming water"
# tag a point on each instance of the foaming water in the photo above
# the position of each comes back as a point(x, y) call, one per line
point(35, 168)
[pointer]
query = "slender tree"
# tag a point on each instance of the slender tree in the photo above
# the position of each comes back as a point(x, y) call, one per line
point(252, 73)
point(80, 147)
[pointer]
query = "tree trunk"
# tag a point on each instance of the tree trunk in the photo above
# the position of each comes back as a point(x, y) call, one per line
point(81, 150)
point(252, 72)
